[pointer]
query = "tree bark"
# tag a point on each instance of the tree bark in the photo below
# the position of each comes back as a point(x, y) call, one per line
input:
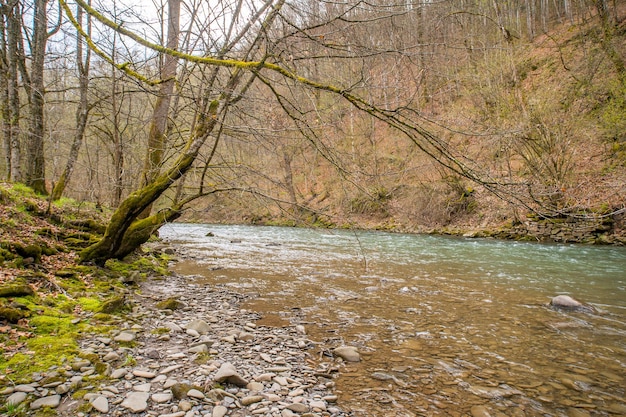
point(112, 243)
point(82, 112)
point(157, 139)
point(35, 172)
point(11, 107)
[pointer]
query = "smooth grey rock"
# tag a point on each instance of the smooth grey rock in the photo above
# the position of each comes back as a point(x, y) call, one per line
point(219, 411)
point(119, 373)
point(199, 349)
point(251, 399)
point(101, 404)
point(194, 393)
point(125, 336)
point(199, 326)
point(62, 389)
point(565, 302)
point(143, 374)
point(136, 401)
point(298, 407)
point(52, 401)
point(228, 373)
point(24, 388)
point(348, 353)
point(111, 356)
point(16, 398)
point(161, 397)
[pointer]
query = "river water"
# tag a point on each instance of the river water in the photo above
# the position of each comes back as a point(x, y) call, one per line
point(445, 326)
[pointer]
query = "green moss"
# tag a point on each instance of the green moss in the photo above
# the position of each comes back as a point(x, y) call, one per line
point(44, 324)
point(89, 304)
point(160, 330)
point(169, 304)
point(115, 304)
point(12, 315)
point(78, 395)
point(16, 288)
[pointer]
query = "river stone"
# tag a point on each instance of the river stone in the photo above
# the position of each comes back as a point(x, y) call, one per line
point(101, 404)
point(219, 411)
point(228, 373)
point(199, 349)
point(143, 374)
point(198, 325)
point(347, 353)
point(111, 356)
point(24, 388)
point(125, 336)
point(565, 301)
point(480, 411)
point(136, 401)
point(194, 393)
point(51, 401)
point(16, 398)
point(251, 399)
point(162, 397)
point(298, 407)
point(119, 373)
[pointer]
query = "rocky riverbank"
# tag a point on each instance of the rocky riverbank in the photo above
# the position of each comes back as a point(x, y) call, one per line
point(186, 350)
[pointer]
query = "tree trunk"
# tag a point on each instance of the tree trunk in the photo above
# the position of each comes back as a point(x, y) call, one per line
point(112, 243)
point(82, 112)
point(35, 173)
point(158, 126)
point(11, 107)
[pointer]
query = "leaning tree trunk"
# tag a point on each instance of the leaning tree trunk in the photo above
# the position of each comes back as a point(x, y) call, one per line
point(114, 243)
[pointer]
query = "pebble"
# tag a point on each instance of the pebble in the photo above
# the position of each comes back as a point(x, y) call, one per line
point(136, 401)
point(16, 398)
point(219, 411)
point(264, 371)
point(101, 404)
point(52, 401)
point(125, 337)
point(348, 353)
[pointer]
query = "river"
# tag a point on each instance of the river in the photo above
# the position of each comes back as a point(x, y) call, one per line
point(446, 326)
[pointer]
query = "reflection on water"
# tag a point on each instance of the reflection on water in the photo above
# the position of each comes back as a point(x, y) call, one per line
point(448, 327)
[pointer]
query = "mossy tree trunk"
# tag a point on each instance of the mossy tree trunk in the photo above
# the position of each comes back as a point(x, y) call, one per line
point(116, 243)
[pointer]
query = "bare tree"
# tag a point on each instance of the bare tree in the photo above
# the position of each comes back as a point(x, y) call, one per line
point(83, 61)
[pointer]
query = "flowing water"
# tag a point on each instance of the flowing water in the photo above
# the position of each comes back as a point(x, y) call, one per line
point(445, 326)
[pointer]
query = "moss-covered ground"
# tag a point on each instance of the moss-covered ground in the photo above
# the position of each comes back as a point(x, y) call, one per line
point(47, 300)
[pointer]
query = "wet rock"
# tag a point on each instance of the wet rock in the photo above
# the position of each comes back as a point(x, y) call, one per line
point(565, 302)
point(348, 353)
point(480, 411)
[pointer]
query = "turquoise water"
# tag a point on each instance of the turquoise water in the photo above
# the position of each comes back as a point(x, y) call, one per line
point(450, 319)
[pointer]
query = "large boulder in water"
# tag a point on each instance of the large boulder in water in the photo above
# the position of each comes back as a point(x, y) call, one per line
point(565, 302)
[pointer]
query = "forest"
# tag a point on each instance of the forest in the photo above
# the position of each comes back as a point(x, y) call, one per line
point(397, 115)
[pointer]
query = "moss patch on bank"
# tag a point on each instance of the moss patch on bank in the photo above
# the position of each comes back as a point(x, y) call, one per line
point(48, 301)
